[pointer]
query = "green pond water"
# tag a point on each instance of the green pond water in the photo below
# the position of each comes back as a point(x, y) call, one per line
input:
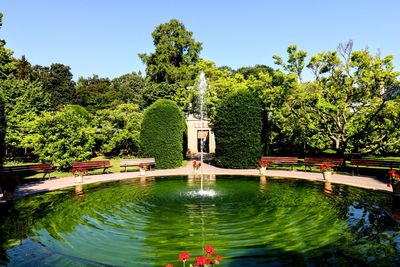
point(248, 221)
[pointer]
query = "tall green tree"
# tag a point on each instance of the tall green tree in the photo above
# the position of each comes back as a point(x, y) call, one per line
point(255, 71)
point(295, 62)
point(351, 105)
point(5, 60)
point(129, 88)
point(175, 51)
point(25, 101)
point(57, 83)
point(95, 93)
point(24, 70)
point(170, 69)
point(7, 63)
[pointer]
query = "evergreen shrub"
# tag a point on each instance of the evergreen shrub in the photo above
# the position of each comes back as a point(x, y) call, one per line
point(237, 127)
point(161, 134)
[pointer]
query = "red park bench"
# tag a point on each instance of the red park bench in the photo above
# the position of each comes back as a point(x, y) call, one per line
point(92, 164)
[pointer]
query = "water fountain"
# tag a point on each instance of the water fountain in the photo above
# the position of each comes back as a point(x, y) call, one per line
point(202, 90)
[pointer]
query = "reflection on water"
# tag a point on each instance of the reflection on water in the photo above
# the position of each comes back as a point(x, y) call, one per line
point(79, 189)
point(396, 208)
point(263, 184)
point(328, 188)
point(249, 220)
point(194, 180)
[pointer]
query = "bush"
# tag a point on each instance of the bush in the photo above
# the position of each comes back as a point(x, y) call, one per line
point(63, 137)
point(118, 129)
point(237, 127)
point(161, 134)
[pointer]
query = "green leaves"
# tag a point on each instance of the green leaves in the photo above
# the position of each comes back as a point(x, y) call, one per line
point(63, 137)
point(118, 130)
point(175, 50)
point(295, 63)
point(345, 106)
point(57, 83)
point(162, 132)
point(237, 128)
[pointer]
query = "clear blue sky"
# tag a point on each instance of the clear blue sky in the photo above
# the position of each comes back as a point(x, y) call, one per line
point(104, 37)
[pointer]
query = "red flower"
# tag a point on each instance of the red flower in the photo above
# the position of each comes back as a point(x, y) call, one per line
point(218, 257)
point(201, 260)
point(264, 163)
point(209, 249)
point(169, 265)
point(184, 256)
point(196, 164)
point(324, 168)
point(79, 171)
point(143, 166)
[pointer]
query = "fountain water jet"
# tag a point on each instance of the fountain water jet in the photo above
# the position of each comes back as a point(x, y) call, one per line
point(202, 91)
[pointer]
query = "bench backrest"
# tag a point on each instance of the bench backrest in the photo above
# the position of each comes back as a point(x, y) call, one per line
point(136, 162)
point(43, 167)
point(93, 164)
point(327, 161)
point(289, 160)
point(375, 163)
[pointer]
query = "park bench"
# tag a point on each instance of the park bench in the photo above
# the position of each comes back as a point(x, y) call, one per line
point(281, 160)
point(332, 162)
point(136, 162)
point(373, 163)
point(92, 164)
point(26, 170)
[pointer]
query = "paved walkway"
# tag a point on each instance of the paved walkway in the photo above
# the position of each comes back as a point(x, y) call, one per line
point(53, 184)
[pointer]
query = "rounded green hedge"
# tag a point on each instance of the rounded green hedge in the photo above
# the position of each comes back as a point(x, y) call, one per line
point(237, 127)
point(161, 134)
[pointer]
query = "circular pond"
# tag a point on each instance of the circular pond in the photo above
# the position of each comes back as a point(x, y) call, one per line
point(249, 221)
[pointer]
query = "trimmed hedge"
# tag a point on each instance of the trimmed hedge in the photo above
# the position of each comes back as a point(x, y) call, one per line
point(161, 134)
point(237, 127)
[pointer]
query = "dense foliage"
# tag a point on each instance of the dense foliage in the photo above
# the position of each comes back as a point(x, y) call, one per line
point(161, 133)
point(171, 69)
point(351, 106)
point(63, 137)
point(176, 51)
point(118, 129)
point(237, 127)
point(57, 83)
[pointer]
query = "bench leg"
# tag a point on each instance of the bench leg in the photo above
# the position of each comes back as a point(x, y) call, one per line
point(307, 167)
point(46, 173)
